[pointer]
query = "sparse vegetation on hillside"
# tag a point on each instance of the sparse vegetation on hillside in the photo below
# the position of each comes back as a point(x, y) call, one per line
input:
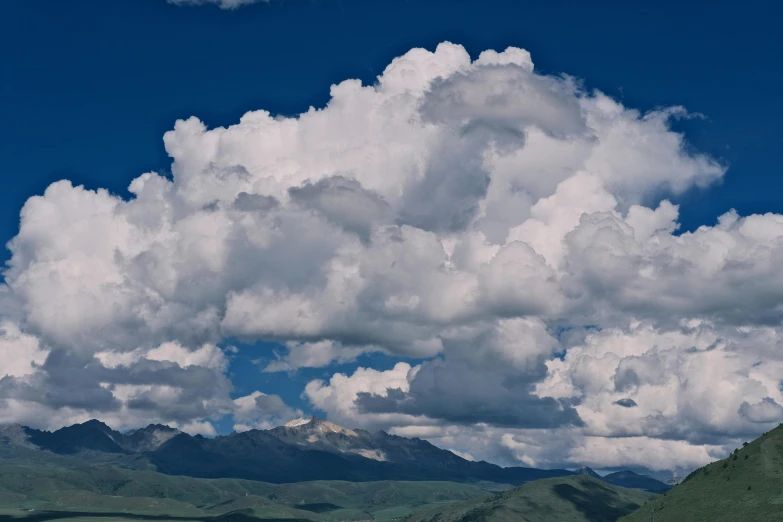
point(745, 486)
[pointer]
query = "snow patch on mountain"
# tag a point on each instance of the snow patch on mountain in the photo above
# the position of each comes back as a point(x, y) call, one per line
point(314, 426)
point(372, 454)
point(328, 427)
point(298, 422)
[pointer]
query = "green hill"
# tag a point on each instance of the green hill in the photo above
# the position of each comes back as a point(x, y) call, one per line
point(746, 486)
point(55, 492)
point(563, 499)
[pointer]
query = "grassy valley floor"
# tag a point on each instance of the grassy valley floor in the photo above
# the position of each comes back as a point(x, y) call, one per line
point(565, 499)
point(38, 493)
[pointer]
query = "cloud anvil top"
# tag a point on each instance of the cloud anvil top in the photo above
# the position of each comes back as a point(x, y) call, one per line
point(505, 237)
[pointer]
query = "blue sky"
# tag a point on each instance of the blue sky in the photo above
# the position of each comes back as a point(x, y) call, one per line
point(89, 87)
point(88, 82)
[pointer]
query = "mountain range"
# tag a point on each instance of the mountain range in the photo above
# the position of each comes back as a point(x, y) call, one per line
point(302, 450)
point(91, 470)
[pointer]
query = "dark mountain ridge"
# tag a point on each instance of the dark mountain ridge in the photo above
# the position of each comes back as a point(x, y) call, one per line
point(629, 479)
point(587, 471)
point(303, 450)
point(92, 435)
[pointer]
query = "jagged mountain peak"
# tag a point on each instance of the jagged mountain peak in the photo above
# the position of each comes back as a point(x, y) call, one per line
point(9, 428)
point(92, 435)
point(151, 429)
point(16, 434)
point(148, 438)
point(587, 471)
point(314, 433)
point(92, 424)
point(95, 423)
point(298, 422)
point(314, 424)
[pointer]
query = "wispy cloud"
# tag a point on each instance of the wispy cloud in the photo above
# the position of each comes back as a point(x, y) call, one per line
point(223, 4)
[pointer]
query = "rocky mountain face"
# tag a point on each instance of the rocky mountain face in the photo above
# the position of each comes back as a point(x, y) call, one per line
point(315, 433)
point(305, 449)
point(319, 434)
point(16, 435)
point(92, 435)
point(148, 439)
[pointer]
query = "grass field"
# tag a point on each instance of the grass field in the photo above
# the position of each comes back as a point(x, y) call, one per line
point(55, 493)
point(25, 515)
point(564, 499)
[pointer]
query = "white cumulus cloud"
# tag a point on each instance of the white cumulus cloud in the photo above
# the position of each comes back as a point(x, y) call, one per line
point(490, 221)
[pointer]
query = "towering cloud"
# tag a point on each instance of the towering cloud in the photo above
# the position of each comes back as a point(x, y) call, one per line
point(492, 221)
